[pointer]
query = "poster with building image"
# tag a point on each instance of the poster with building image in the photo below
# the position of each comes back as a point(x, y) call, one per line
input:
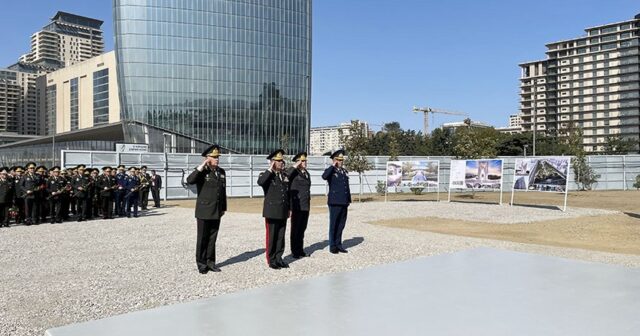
point(412, 174)
point(476, 174)
point(542, 174)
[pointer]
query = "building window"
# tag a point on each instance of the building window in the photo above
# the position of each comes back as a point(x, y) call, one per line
point(74, 104)
point(101, 97)
point(51, 109)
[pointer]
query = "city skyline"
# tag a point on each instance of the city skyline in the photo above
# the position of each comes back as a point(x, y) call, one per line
point(475, 70)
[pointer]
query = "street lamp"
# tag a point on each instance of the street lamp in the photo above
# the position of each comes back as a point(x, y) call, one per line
point(525, 150)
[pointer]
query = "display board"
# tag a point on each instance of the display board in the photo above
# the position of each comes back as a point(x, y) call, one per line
point(476, 175)
point(413, 174)
point(545, 174)
point(542, 174)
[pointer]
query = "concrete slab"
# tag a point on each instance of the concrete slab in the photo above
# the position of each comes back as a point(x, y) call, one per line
point(475, 292)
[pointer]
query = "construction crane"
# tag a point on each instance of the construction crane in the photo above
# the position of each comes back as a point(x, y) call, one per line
point(427, 110)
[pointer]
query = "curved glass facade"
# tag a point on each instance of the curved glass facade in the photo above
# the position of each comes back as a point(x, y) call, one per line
point(232, 72)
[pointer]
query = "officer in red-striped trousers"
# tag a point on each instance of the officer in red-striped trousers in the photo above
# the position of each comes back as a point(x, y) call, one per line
point(275, 183)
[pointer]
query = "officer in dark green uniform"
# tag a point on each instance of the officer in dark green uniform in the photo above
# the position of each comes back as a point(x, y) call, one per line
point(29, 186)
point(56, 188)
point(106, 184)
point(211, 205)
point(300, 193)
point(80, 184)
point(275, 183)
point(6, 196)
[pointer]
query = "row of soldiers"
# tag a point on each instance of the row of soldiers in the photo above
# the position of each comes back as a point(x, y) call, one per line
point(35, 194)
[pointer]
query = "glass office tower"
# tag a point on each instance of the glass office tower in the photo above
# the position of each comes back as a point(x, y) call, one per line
point(232, 72)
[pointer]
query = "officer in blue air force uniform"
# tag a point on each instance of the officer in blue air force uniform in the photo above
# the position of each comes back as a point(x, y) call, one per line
point(120, 192)
point(275, 184)
point(338, 200)
point(131, 186)
point(211, 205)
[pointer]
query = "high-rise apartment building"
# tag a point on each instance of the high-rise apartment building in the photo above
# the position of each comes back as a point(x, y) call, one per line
point(68, 39)
point(19, 103)
point(330, 138)
point(591, 82)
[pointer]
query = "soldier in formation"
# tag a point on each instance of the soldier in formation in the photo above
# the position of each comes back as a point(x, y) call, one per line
point(35, 194)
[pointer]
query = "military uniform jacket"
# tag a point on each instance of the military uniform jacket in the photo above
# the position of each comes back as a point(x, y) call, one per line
point(131, 185)
point(145, 181)
point(16, 187)
point(120, 180)
point(6, 191)
point(299, 189)
point(212, 192)
point(104, 181)
point(276, 194)
point(80, 182)
point(56, 186)
point(29, 182)
point(338, 180)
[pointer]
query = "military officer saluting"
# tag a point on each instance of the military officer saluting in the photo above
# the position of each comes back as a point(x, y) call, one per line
point(338, 200)
point(300, 194)
point(210, 181)
point(275, 183)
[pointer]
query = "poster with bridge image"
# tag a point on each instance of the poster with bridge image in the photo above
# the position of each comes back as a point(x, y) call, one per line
point(542, 174)
point(413, 174)
point(476, 174)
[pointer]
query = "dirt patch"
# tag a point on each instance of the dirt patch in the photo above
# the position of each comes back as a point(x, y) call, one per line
point(616, 233)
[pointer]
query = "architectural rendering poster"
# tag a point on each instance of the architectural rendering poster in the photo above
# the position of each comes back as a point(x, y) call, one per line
point(424, 173)
point(476, 174)
point(542, 174)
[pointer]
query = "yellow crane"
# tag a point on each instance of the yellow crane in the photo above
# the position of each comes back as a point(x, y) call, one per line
point(427, 110)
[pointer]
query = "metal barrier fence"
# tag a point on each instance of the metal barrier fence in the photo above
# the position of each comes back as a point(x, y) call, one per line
point(617, 172)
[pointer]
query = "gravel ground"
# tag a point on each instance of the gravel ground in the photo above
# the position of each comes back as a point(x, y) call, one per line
point(53, 275)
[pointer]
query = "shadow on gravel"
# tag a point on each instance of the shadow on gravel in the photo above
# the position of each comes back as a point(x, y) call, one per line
point(632, 215)
point(241, 257)
point(349, 243)
point(537, 206)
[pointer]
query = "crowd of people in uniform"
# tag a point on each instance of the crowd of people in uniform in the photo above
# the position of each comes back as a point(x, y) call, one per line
point(33, 194)
point(287, 195)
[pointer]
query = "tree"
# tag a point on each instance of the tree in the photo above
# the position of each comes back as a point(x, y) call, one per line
point(392, 127)
point(475, 143)
point(440, 143)
point(394, 148)
point(584, 176)
point(614, 145)
point(355, 144)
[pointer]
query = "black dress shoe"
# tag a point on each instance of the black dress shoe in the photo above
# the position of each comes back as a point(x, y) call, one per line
point(283, 264)
point(214, 269)
point(274, 266)
point(333, 250)
point(298, 256)
point(341, 250)
point(203, 271)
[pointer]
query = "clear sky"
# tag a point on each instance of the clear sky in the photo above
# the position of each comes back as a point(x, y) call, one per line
point(375, 59)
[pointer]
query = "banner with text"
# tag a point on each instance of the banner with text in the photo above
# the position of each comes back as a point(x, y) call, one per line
point(542, 174)
point(476, 174)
